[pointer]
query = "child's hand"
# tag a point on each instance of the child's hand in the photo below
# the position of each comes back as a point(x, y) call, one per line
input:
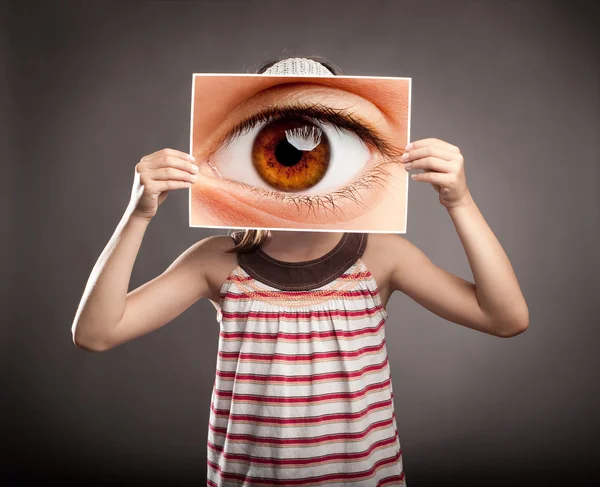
point(444, 169)
point(158, 173)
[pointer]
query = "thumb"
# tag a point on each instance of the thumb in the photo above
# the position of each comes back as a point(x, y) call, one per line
point(162, 197)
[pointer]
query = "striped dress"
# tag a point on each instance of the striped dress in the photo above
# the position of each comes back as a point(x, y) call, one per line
point(303, 393)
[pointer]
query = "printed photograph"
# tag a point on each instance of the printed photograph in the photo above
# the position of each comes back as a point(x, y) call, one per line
point(316, 153)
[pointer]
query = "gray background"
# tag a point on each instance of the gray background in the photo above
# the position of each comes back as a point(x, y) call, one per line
point(91, 87)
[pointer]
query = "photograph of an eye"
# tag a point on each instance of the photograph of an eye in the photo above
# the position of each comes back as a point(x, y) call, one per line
point(291, 155)
point(300, 153)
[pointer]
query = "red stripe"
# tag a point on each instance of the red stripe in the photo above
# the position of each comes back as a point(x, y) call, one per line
point(230, 335)
point(392, 479)
point(304, 462)
point(302, 399)
point(268, 378)
point(270, 357)
point(334, 313)
point(349, 275)
point(305, 440)
point(234, 278)
point(295, 294)
point(307, 480)
point(301, 420)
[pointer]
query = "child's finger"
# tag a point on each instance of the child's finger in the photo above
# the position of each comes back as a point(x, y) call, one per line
point(172, 161)
point(441, 179)
point(173, 174)
point(168, 185)
point(169, 152)
point(429, 151)
point(431, 163)
point(417, 144)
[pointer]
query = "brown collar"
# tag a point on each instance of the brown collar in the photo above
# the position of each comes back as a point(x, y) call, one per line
point(303, 276)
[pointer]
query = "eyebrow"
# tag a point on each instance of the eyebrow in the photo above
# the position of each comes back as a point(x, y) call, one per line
point(341, 119)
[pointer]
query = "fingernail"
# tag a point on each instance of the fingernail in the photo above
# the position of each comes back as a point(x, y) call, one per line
point(407, 166)
point(405, 156)
point(191, 158)
point(409, 146)
point(194, 177)
point(413, 176)
point(196, 168)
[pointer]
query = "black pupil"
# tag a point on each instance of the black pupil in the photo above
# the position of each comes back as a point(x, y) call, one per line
point(286, 154)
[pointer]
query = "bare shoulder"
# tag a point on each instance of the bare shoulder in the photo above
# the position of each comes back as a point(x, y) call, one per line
point(216, 245)
point(380, 251)
point(210, 258)
point(381, 247)
point(384, 256)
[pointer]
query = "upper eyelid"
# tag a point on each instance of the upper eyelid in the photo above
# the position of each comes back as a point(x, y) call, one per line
point(340, 118)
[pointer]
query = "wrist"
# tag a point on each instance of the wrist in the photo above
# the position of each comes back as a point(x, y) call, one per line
point(140, 219)
point(132, 215)
point(463, 203)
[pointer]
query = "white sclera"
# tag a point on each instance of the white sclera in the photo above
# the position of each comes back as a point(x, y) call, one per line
point(348, 156)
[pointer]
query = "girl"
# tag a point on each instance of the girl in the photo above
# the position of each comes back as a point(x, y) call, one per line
point(302, 392)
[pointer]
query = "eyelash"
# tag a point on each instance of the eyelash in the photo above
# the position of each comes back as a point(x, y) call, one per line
point(342, 120)
point(377, 176)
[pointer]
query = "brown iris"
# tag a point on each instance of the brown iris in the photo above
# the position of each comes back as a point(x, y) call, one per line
point(281, 163)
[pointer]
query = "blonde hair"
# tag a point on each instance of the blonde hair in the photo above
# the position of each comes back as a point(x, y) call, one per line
point(250, 240)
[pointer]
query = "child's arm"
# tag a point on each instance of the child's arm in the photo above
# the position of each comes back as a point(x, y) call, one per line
point(495, 303)
point(108, 315)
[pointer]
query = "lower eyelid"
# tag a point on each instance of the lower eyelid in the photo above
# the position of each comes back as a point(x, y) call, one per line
point(372, 180)
point(232, 203)
point(338, 206)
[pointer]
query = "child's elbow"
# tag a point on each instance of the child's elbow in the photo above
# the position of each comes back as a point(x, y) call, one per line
point(514, 330)
point(513, 327)
point(89, 344)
